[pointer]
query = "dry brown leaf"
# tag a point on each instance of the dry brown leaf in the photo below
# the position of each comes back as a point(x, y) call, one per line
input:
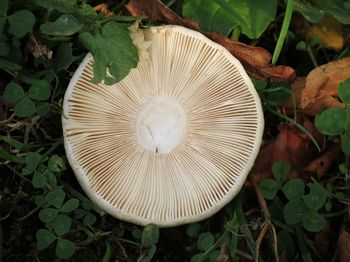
point(319, 90)
point(292, 146)
point(255, 59)
point(344, 246)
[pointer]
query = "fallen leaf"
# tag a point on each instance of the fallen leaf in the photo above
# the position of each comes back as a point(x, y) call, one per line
point(254, 59)
point(291, 145)
point(321, 164)
point(344, 246)
point(319, 90)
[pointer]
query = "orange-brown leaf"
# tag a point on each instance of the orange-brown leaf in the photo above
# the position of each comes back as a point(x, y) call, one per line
point(319, 90)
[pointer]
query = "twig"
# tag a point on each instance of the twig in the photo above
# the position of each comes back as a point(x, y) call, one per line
point(267, 226)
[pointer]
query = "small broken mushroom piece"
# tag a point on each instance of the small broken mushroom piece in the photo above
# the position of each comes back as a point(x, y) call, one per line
point(171, 143)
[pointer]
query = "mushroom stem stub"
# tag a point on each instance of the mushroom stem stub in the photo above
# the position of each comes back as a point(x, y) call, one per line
point(161, 125)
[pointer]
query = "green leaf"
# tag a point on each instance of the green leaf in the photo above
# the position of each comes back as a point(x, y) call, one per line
point(317, 196)
point(65, 25)
point(56, 164)
point(13, 92)
point(150, 235)
point(89, 219)
point(40, 201)
point(285, 243)
point(314, 222)
point(4, 47)
point(43, 109)
point(193, 230)
point(269, 188)
point(40, 90)
point(205, 241)
point(278, 93)
point(252, 17)
point(3, 14)
point(112, 49)
point(10, 157)
point(345, 144)
point(294, 189)
point(294, 211)
point(312, 13)
point(56, 197)
point(61, 224)
point(70, 205)
point(21, 23)
point(314, 10)
point(331, 121)
point(63, 58)
point(65, 248)
point(280, 171)
point(63, 6)
point(32, 161)
point(213, 256)
point(44, 238)
point(13, 142)
point(7, 65)
point(48, 214)
point(39, 180)
point(25, 107)
point(149, 255)
point(344, 91)
point(79, 213)
point(200, 257)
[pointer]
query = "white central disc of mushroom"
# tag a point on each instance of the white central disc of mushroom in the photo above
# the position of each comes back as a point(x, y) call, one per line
point(161, 125)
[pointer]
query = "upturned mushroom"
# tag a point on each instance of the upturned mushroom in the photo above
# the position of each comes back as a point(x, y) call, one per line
point(172, 142)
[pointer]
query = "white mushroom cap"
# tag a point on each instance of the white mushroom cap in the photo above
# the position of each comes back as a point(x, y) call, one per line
point(171, 143)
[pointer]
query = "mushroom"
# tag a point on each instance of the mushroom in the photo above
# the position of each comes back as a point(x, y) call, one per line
point(172, 142)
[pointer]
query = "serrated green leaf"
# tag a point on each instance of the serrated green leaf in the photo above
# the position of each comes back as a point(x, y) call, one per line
point(39, 180)
point(280, 171)
point(345, 144)
point(56, 197)
point(344, 91)
point(44, 238)
point(21, 23)
point(252, 17)
point(61, 224)
point(314, 222)
point(331, 121)
point(13, 93)
point(70, 205)
point(25, 107)
point(205, 241)
point(40, 90)
point(65, 248)
point(269, 188)
point(294, 211)
point(150, 235)
point(48, 214)
point(112, 49)
point(65, 25)
point(317, 196)
point(294, 189)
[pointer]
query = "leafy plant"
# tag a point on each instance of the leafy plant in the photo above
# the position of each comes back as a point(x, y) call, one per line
point(301, 208)
point(336, 121)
